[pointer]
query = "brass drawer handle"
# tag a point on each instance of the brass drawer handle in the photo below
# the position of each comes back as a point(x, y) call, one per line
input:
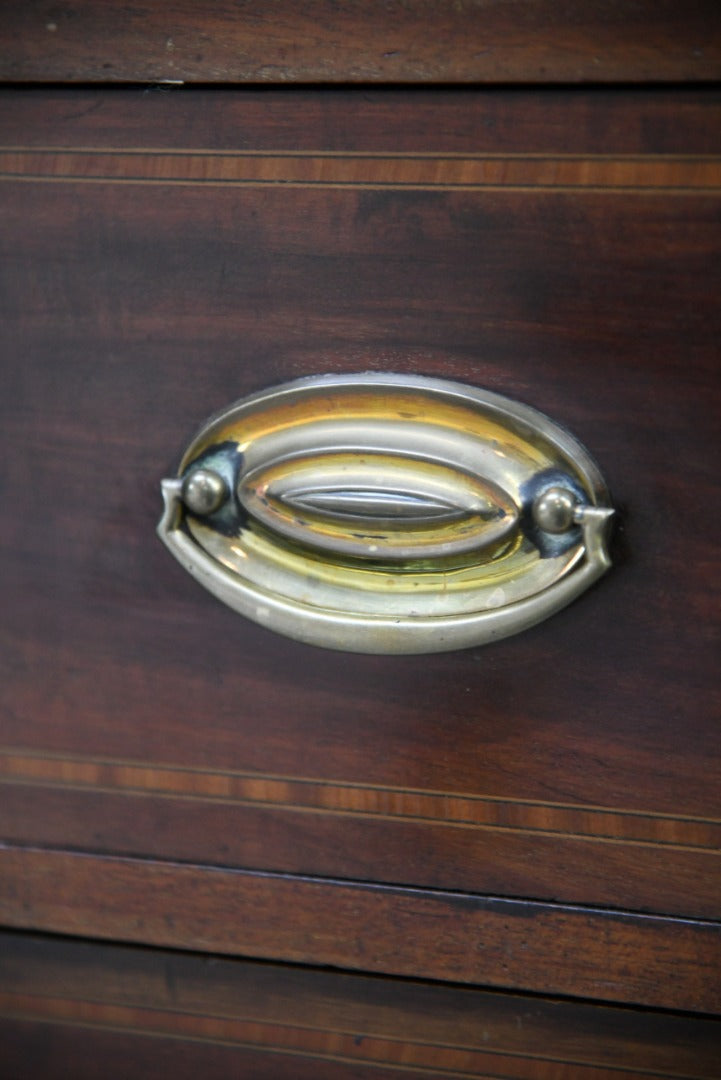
point(387, 513)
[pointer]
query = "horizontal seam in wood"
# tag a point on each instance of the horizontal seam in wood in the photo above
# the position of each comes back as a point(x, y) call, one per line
point(163, 868)
point(351, 185)
point(371, 155)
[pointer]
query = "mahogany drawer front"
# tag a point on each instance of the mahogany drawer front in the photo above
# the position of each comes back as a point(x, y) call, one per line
point(73, 1007)
point(168, 252)
point(327, 41)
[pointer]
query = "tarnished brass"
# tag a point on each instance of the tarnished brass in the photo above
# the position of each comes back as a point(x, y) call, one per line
point(382, 513)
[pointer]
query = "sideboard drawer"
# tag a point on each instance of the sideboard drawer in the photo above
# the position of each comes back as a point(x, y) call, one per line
point(166, 252)
point(72, 1008)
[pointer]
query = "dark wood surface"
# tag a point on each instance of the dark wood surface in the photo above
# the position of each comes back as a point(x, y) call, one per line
point(456, 937)
point(71, 1008)
point(417, 41)
point(458, 120)
point(167, 252)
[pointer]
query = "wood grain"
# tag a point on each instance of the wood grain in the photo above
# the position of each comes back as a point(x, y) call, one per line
point(561, 249)
point(381, 120)
point(68, 1004)
point(659, 174)
point(416, 41)
point(612, 956)
point(643, 861)
point(578, 762)
point(234, 788)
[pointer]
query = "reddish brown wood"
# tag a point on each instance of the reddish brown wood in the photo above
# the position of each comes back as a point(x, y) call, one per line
point(62, 997)
point(323, 41)
point(49, 1049)
point(368, 843)
point(375, 119)
point(442, 935)
point(575, 267)
point(319, 169)
point(578, 762)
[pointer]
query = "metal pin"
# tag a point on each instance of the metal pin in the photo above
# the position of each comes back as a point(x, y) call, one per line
point(204, 491)
point(554, 510)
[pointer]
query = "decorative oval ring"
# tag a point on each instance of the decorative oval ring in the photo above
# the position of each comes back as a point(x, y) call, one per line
point(387, 513)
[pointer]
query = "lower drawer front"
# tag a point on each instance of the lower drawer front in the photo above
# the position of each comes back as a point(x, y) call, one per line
point(70, 1008)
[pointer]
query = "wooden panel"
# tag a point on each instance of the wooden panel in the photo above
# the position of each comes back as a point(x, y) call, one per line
point(441, 121)
point(69, 1005)
point(417, 41)
point(614, 956)
point(370, 833)
point(569, 260)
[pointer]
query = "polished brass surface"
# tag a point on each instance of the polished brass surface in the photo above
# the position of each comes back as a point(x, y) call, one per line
point(388, 514)
point(204, 491)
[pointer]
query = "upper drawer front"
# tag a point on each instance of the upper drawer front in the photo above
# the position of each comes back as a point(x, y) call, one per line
point(167, 252)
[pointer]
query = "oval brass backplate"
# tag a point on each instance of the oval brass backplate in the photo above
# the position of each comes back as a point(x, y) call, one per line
point(387, 513)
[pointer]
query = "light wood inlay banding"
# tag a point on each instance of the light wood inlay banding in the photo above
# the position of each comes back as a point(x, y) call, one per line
point(651, 174)
point(337, 797)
